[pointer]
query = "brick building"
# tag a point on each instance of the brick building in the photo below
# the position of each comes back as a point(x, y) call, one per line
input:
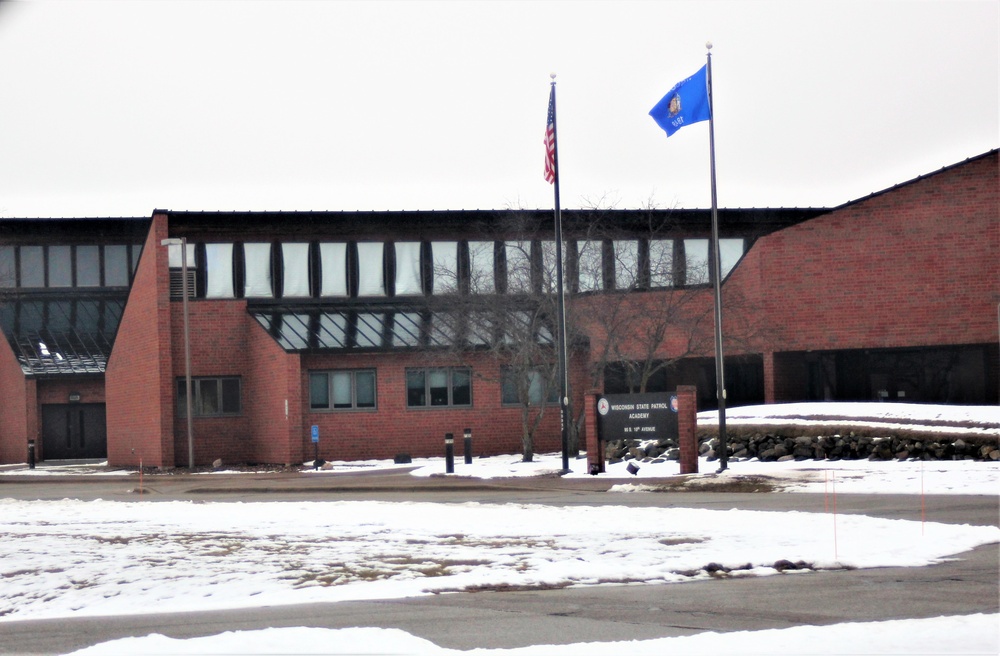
point(387, 330)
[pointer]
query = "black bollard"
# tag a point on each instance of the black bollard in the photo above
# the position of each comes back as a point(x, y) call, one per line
point(468, 446)
point(31, 454)
point(449, 453)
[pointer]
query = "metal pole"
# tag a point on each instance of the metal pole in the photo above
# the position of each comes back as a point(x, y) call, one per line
point(187, 353)
point(449, 453)
point(561, 296)
point(720, 382)
point(467, 443)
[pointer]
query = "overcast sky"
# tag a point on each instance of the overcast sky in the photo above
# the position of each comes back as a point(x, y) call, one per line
point(117, 108)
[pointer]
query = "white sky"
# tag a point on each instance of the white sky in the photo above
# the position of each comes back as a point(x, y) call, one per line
point(117, 108)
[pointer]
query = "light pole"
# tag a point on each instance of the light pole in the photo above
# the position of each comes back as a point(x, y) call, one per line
point(182, 242)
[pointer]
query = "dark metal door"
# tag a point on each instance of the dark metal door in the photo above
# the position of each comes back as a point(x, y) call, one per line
point(74, 431)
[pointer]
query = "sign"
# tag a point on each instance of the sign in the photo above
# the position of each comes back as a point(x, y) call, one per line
point(637, 416)
point(315, 434)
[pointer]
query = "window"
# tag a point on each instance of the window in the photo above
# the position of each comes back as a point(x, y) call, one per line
point(696, 262)
point(438, 387)
point(589, 264)
point(730, 252)
point(518, 266)
point(295, 269)
point(88, 266)
point(408, 268)
point(32, 266)
point(211, 397)
point(116, 265)
point(481, 277)
point(532, 382)
point(444, 256)
point(218, 270)
point(626, 263)
point(371, 277)
point(661, 262)
point(333, 263)
point(257, 260)
point(342, 390)
point(60, 266)
point(8, 273)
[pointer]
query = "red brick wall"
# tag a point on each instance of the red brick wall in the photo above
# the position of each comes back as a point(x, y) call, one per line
point(394, 428)
point(274, 384)
point(138, 383)
point(914, 266)
point(14, 412)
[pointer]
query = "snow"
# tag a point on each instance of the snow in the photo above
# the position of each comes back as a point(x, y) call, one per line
point(114, 558)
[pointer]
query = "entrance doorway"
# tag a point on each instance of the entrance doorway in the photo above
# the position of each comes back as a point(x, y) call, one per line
point(74, 431)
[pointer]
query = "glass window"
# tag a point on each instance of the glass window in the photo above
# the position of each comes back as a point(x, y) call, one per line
point(590, 265)
point(257, 259)
point(443, 328)
point(333, 262)
point(730, 252)
point(406, 329)
point(212, 397)
point(8, 274)
point(136, 252)
point(371, 277)
point(696, 261)
point(549, 272)
point(408, 268)
point(661, 262)
point(444, 255)
point(294, 331)
point(116, 265)
point(626, 263)
point(332, 331)
point(295, 270)
point(369, 328)
point(60, 266)
point(88, 266)
point(534, 384)
point(342, 390)
point(32, 266)
point(219, 271)
point(174, 255)
point(481, 276)
point(438, 387)
point(518, 266)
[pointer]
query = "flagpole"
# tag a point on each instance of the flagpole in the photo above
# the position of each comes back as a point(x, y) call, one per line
point(560, 293)
point(720, 383)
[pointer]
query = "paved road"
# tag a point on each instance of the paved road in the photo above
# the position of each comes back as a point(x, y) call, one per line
point(968, 584)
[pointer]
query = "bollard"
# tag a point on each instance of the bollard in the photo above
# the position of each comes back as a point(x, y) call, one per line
point(449, 453)
point(468, 446)
point(31, 454)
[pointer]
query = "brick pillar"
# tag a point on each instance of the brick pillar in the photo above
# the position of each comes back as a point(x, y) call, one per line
point(595, 448)
point(769, 377)
point(687, 427)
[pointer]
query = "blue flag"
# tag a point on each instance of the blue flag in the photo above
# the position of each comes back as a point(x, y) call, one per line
point(685, 104)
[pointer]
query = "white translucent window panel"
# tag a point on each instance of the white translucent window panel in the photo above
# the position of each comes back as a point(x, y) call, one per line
point(88, 266)
point(371, 278)
point(518, 266)
point(730, 252)
point(174, 256)
point(295, 330)
point(295, 267)
point(443, 328)
point(480, 329)
point(590, 265)
point(408, 268)
point(481, 278)
point(661, 262)
point(444, 258)
point(257, 258)
point(219, 271)
point(626, 263)
point(333, 261)
point(696, 261)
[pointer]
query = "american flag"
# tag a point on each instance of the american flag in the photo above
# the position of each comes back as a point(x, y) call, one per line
point(550, 140)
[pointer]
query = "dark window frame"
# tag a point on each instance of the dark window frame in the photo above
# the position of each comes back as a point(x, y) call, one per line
point(428, 397)
point(198, 404)
point(330, 405)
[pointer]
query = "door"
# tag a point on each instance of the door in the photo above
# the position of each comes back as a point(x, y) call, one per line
point(74, 431)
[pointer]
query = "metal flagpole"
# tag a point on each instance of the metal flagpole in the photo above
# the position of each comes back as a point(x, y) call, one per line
point(563, 373)
point(720, 383)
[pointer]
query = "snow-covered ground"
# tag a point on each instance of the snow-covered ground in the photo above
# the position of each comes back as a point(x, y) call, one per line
point(72, 558)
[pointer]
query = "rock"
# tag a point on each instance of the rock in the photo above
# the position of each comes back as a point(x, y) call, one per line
point(217, 463)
